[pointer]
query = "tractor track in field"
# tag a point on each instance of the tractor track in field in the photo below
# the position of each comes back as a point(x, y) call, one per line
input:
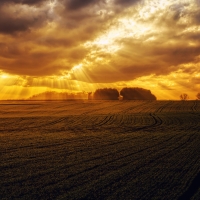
point(177, 164)
point(127, 171)
point(102, 108)
point(72, 140)
point(101, 150)
point(124, 111)
point(161, 108)
point(96, 158)
point(130, 154)
point(126, 176)
point(194, 106)
point(105, 120)
point(32, 127)
point(147, 108)
point(181, 163)
point(57, 144)
point(120, 121)
point(92, 168)
point(98, 122)
point(156, 121)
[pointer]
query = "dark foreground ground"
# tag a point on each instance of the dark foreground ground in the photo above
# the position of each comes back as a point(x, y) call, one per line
point(100, 150)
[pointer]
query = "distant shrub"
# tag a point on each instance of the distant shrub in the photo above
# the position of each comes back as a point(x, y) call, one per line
point(184, 97)
point(137, 94)
point(106, 94)
point(51, 95)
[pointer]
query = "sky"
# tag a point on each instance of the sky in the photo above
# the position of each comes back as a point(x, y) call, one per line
point(82, 45)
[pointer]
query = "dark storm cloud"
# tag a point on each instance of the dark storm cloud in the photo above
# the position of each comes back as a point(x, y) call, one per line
point(10, 24)
point(77, 4)
point(16, 19)
point(28, 2)
point(126, 2)
point(176, 55)
point(31, 2)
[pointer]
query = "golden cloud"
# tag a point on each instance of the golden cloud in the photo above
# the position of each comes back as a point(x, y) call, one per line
point(111, 41)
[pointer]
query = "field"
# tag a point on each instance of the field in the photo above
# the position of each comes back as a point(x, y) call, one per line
point(100, 150)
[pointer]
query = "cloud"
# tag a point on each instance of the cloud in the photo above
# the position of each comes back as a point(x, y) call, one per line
point(16, 18)
point(78, 4)
point(158, 45)
point(127, 2)
point(28, 2)
point(112, 40)
point(10, 25)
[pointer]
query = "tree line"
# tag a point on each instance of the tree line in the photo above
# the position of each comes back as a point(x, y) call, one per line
point(52, 95)
point(130, 93)
point(125, 94)
point(99, 94)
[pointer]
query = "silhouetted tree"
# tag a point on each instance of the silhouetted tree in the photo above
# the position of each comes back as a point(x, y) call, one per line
point(137, 94)
point(184, 96)
point(198, 96)
point(106, 94)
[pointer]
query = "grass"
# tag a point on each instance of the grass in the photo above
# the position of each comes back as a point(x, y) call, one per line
point(100, 150)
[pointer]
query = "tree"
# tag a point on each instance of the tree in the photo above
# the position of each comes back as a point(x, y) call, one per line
point(198, 96)
point(184, 97)
point(106, 94)
point(137, 94)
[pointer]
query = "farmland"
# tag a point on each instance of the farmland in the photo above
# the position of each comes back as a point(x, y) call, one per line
point(100, 150)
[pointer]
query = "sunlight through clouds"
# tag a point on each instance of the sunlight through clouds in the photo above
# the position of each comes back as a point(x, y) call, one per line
point(100, 43)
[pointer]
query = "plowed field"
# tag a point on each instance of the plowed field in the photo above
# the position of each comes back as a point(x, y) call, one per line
point(100, 150)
